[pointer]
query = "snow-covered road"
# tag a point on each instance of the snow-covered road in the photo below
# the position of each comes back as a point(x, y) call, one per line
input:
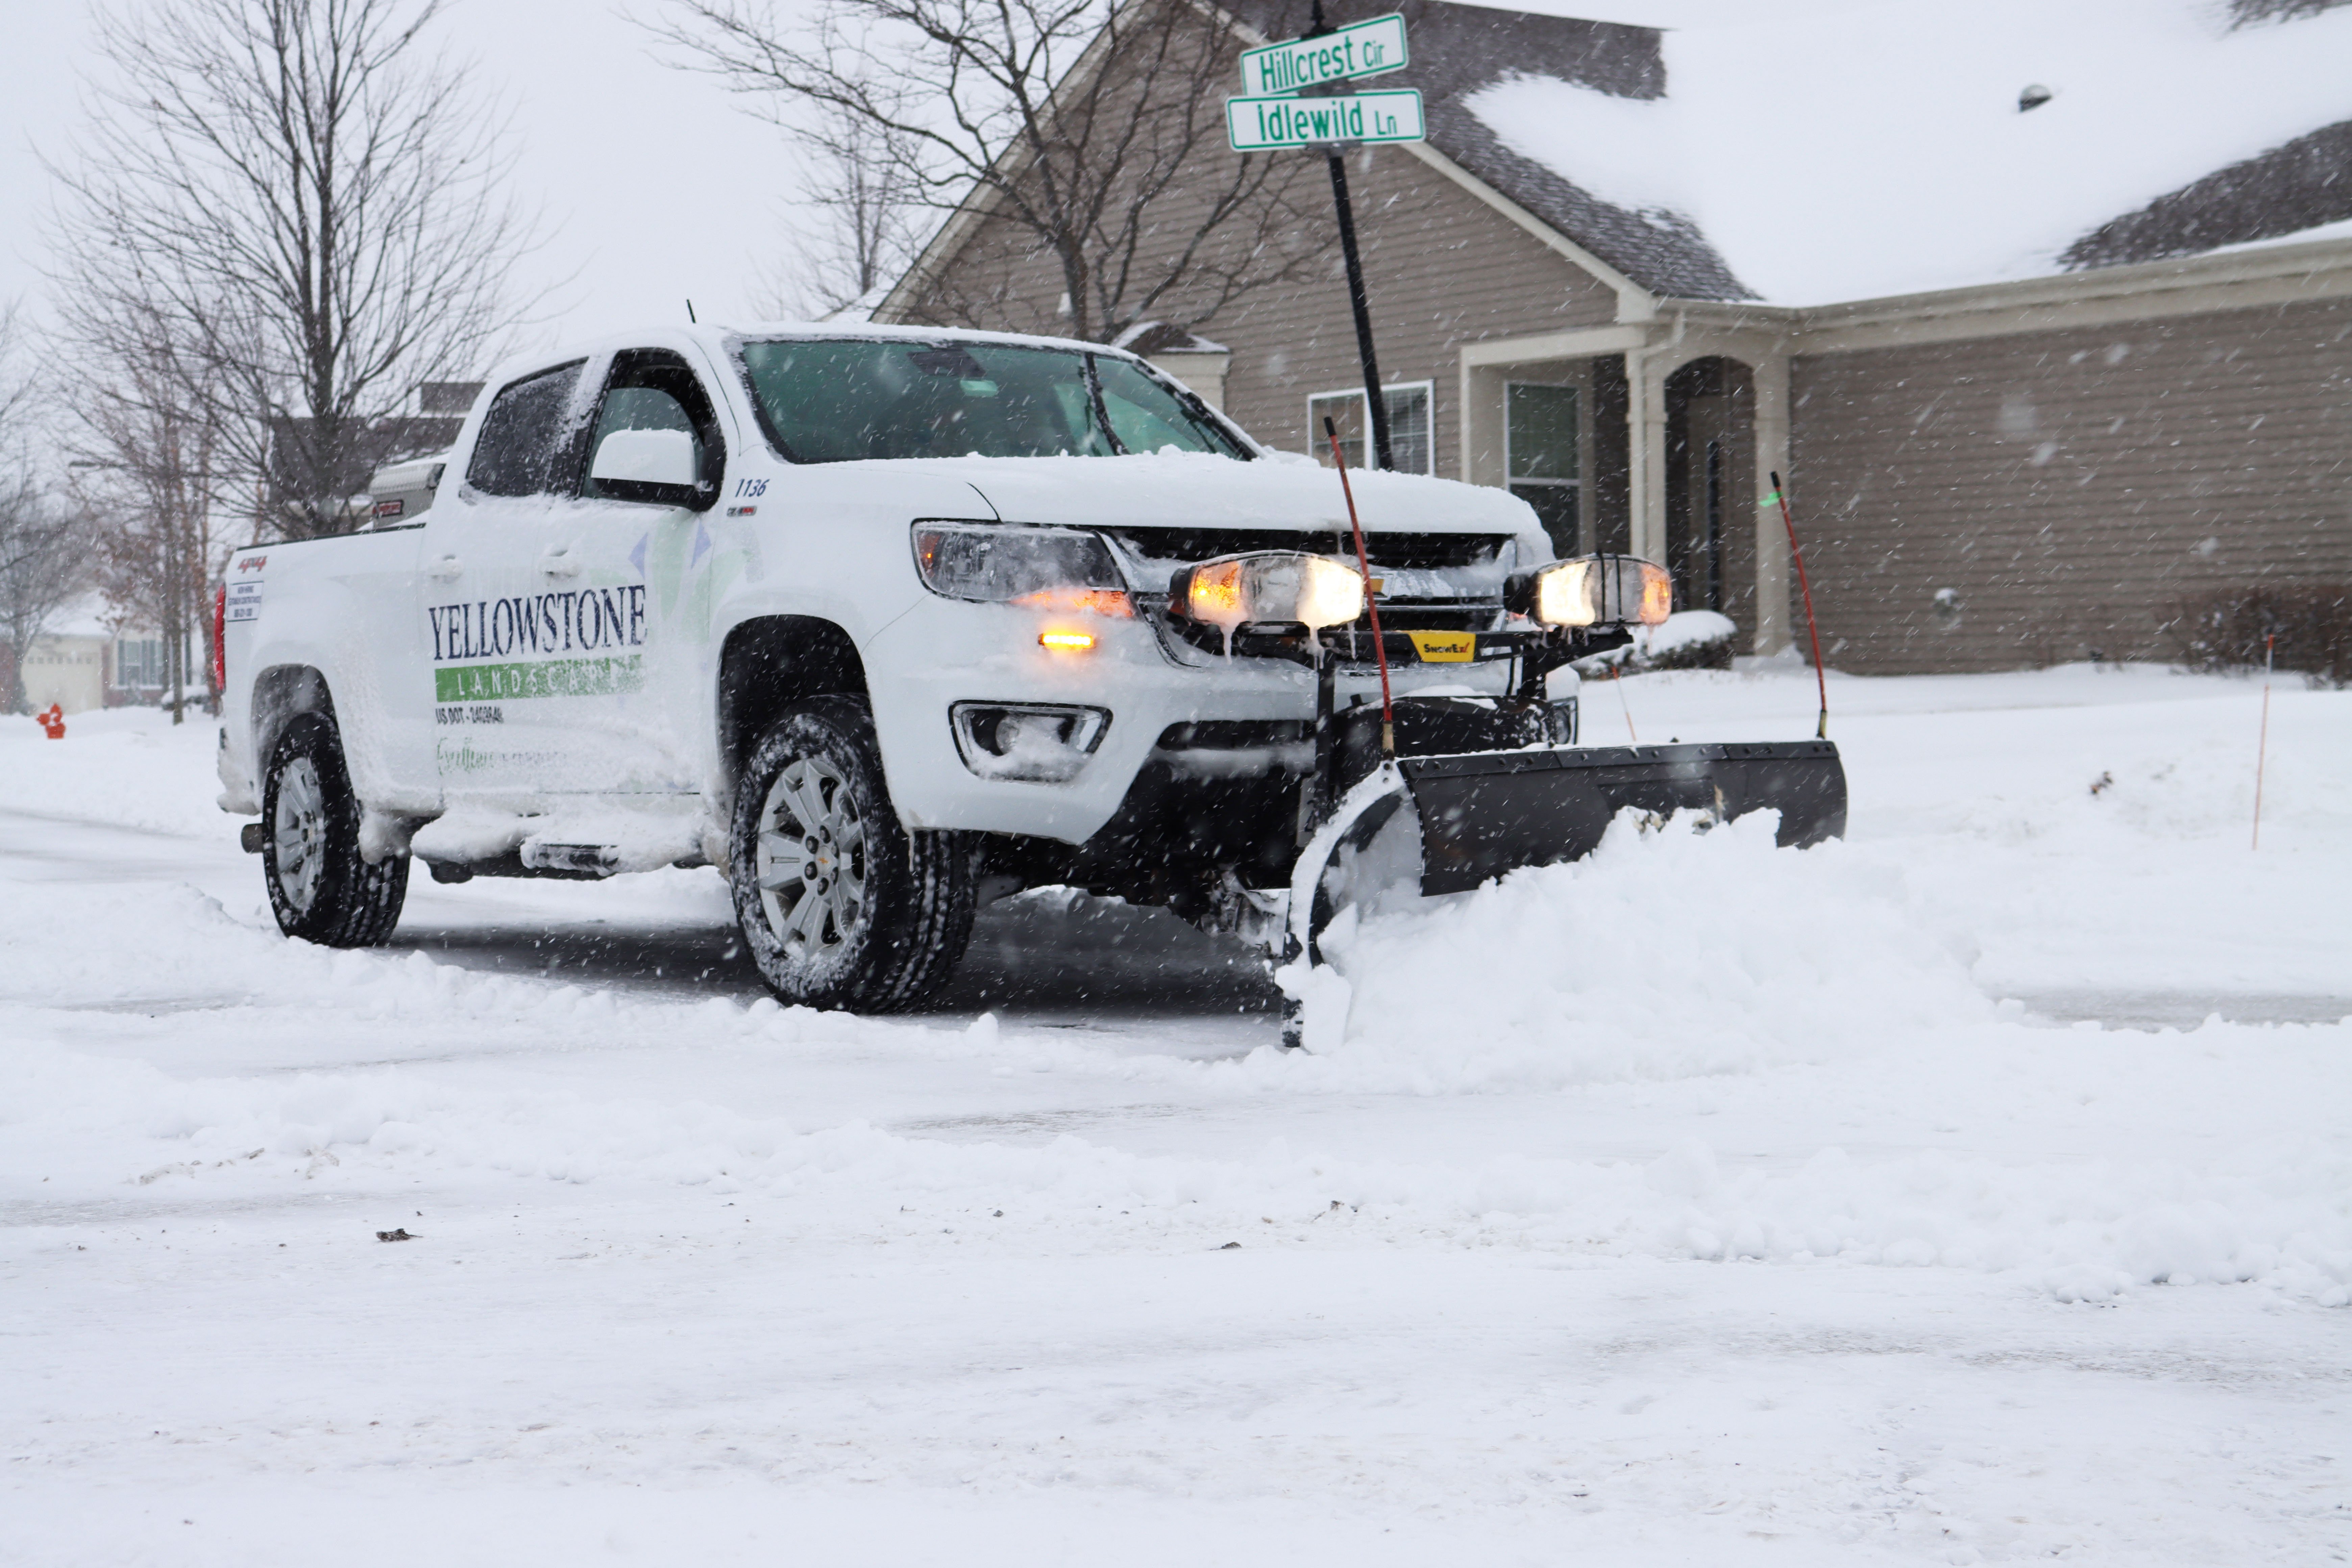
point(1977, 1189)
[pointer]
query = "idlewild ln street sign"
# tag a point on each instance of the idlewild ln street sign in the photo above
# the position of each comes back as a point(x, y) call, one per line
point(1267, 124)
point(1360, 49)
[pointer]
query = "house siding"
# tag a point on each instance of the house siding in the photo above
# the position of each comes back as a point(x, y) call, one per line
point(2073, 487)
point(1441, 268)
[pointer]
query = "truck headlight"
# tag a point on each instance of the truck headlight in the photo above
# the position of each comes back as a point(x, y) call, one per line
point(1050, 568)
point(1593, 591)
point(1283, 586)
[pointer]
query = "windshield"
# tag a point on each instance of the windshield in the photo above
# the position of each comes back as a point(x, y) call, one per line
point(836, 400)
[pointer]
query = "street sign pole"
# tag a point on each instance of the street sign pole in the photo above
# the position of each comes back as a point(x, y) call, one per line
point(1376, 403)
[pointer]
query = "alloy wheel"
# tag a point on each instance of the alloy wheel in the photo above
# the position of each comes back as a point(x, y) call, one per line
point(810, 862)
point(299, 830)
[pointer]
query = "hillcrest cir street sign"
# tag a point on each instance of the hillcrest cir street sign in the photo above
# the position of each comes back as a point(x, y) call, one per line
point(1360, 49)
point(1276, 116)
point(1267, 124)
point(1273, 116)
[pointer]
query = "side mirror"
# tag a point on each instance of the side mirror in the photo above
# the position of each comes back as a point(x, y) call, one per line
point(648, 465)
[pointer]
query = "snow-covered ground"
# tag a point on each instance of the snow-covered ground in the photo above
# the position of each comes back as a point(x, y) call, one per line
point(1975, 1189)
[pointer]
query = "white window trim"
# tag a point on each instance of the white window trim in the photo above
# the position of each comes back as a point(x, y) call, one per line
point(1315, 432)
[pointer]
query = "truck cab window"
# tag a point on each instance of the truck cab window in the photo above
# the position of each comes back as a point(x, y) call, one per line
point(653, 389)
point(851, 399)
point(526, 436)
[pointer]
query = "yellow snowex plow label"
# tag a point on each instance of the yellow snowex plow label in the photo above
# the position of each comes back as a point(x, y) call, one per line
point(1446, 648)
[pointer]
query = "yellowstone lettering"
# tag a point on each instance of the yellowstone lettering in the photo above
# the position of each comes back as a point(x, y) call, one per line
point(581, 620)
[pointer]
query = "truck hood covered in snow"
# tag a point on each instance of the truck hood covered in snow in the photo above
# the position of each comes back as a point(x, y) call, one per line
point(1192, 491)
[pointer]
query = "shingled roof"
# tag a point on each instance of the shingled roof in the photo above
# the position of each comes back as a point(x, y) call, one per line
point(1809, 156)
point(2304, 186)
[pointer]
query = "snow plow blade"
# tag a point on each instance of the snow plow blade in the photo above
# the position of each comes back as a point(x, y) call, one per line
point(1484, 814)
point(1445, 822)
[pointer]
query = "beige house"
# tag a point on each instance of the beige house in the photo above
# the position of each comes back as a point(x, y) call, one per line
point(89, 658)
point(2044, 349)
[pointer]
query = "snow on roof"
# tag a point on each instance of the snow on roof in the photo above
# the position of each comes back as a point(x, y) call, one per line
point(1813, 153)
point(1165, 337)
point(861, 309)
point(88, 617)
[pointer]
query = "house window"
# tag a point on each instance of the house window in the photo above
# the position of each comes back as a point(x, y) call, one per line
point(137, 661)
point(1541, 454)
point(1412, 438)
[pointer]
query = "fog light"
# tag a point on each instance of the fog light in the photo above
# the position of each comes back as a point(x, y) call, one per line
point(1039, 744)
point(1066, 642)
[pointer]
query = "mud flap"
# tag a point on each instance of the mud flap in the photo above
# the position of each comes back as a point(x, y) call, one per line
point(1426, 825)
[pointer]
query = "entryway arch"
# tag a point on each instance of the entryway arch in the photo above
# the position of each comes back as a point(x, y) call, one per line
point(1711, 485)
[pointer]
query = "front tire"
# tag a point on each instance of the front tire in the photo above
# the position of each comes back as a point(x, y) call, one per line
point(321, 888)
point(840, 906)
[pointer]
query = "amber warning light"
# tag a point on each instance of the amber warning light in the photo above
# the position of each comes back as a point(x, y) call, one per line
point(1066, 642)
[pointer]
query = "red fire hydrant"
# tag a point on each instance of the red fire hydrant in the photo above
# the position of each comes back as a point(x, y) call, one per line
point(52, 721)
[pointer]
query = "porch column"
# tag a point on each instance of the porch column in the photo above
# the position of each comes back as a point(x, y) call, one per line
point(1645, 452)
point(1773, 626)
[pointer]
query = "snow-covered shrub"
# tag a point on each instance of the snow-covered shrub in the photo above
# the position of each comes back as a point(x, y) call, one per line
point(2226, 629)
point(1689, 639)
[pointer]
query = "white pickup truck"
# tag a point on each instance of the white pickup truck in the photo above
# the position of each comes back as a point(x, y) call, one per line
point(881, 624)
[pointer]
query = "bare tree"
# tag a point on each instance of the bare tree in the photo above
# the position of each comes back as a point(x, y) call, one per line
point(309, 212)
point(143, 453)
point(42, 566)
point(856, 182)
point(41, 559)
point(1092, 131)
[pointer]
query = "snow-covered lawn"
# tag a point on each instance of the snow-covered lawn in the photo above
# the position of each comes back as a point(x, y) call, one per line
point(1977, 1189)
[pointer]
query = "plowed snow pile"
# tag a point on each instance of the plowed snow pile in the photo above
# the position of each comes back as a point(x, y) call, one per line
point(1666, 954)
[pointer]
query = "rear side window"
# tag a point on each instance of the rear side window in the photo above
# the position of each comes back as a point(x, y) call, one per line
point(526, 443)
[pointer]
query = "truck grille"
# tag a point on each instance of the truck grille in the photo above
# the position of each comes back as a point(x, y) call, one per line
point(1423, 551)
point(1429, 582)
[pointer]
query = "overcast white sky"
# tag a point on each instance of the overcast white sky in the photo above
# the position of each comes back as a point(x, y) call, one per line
point(657, 186)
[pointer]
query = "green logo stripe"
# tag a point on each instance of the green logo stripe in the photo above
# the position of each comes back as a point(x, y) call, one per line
point(556, 677)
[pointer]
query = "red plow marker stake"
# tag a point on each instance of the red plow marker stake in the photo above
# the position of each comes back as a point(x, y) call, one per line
point(1364, 563)
point(1820, 676)
point(2262, 746)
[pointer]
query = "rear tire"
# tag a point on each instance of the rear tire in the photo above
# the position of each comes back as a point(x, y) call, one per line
point(321, 888)
point(840, 906)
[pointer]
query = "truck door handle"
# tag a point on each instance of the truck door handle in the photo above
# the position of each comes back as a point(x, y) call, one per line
point(447, 568)
point(558, 563)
